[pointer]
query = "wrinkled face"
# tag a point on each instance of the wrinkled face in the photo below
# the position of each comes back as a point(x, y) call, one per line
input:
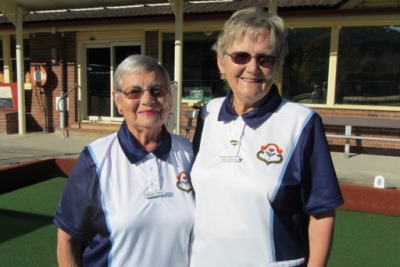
point(250, 82)
point(148, 112)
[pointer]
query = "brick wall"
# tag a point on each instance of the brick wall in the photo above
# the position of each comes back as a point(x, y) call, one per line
point(41, 105)
point(70, 77)
point(8, 122)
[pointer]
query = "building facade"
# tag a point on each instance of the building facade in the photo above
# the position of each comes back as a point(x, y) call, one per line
point(348, 48)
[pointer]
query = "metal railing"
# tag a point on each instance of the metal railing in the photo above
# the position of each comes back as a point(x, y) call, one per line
point(63, 108)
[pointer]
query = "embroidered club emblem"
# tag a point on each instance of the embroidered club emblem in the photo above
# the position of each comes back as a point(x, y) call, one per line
point(183, 182)
point(270, 153)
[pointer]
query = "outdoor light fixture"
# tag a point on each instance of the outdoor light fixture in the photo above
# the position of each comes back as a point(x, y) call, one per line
point(53, 56)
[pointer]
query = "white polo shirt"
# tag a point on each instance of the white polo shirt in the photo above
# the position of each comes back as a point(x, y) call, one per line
point(256, 179)
point(133, 208)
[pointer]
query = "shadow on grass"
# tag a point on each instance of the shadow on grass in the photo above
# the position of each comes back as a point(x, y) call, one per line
point(16, 223)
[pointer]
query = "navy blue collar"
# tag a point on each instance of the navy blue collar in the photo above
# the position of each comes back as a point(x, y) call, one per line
point(134, 151)
point(255, 117)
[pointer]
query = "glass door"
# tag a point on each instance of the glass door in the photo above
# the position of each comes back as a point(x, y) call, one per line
point(120, 52)
point(98, 81)
point(101, 63)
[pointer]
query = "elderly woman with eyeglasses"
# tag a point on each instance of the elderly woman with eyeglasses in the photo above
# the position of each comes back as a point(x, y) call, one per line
point(266, 189)
point(128, 201)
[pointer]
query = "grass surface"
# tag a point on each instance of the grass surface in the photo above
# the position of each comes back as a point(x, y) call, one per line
point(365, 239)
point(27, 232)
point(28, 236)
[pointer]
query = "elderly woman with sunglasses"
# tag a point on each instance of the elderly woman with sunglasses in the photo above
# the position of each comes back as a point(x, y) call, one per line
point(266, 189)
point(128, 201)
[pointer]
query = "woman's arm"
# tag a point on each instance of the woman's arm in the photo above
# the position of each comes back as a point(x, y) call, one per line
point(320, 232)
point(69, 250)
point(198, 132)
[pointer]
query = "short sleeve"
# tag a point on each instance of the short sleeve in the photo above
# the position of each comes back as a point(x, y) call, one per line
point(321, 191)
point(74, 208)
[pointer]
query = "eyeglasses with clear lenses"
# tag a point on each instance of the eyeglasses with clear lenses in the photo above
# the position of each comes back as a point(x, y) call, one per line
point(264, 60)
point(137, 92)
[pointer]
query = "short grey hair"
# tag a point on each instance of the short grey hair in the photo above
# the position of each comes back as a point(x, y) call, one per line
point(251, 22)
point(138, 64)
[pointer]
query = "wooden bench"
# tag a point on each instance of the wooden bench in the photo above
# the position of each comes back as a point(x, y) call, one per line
point(350, 122)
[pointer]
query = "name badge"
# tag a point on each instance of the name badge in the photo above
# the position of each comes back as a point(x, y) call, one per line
point(230, 158)
point(156, 193)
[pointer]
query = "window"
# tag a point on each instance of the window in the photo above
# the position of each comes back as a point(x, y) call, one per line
point(369, 66)
point(200, 68)
point(307, 64)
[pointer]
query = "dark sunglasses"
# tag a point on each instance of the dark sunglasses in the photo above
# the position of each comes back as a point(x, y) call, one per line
point(264, 60)
point(137, 92)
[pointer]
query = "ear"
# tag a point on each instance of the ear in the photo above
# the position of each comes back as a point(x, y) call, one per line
point(117, 100)
point(170, 101)
point(220, 62)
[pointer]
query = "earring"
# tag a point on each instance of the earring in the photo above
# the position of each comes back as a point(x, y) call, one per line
point(222, 76)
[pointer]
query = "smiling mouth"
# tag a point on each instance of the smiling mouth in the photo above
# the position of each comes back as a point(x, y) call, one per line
point(252, 80)
point(148, 112)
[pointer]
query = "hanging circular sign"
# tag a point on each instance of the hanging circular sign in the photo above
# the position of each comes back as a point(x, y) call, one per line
point(38, 75)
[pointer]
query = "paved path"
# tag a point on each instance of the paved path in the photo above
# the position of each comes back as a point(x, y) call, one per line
point(359, 169)
point(16, 148)
point(362, 169)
